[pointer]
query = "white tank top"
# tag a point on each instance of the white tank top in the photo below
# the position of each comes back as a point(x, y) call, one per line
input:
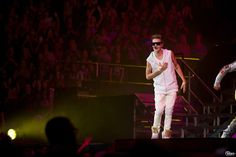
point(166, 82)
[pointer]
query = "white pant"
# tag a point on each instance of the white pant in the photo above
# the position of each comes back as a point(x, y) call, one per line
point(164, 102)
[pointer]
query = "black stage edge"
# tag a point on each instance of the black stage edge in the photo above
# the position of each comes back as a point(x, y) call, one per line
point(210, 147)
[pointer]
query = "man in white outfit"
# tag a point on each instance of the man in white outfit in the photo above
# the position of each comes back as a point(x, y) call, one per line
point(231, 129)
point(161, 67)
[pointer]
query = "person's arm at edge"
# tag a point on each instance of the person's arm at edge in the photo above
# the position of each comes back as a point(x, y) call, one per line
point(223, 71)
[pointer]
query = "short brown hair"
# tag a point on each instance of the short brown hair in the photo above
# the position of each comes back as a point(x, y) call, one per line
point(156, 36)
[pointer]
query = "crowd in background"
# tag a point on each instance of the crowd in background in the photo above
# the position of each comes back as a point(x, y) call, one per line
point(43, 41)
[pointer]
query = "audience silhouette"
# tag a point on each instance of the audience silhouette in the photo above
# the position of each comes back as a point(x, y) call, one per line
point(62, 137)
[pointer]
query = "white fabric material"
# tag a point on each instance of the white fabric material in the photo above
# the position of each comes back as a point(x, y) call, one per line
point(166, 82)
point(164, 102)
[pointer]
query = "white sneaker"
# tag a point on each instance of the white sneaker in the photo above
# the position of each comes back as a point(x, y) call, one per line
point(166, 134)
point(155, 136)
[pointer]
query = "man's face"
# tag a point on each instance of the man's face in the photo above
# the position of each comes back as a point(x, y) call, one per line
point(157, 44)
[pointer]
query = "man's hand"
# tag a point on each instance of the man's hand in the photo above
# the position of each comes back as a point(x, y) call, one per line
point(183, 86)
point(217, 86)
point(162, 67)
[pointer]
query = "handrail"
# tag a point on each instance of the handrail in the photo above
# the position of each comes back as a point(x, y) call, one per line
point(199, 100)
point(193, 109)
point(202, 82)
point(97, 64)
point(126, 82)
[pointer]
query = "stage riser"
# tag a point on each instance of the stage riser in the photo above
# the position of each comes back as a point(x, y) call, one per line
point(104, 118)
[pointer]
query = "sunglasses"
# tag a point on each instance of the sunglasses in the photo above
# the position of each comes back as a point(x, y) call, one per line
point(156, 43)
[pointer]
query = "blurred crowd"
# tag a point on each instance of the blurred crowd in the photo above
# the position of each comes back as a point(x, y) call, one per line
point(43, 42)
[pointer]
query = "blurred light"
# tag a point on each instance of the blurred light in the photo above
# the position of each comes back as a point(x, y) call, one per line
point(11, 133)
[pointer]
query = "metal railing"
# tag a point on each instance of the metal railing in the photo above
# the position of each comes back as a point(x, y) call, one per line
point(199, 93)
point(127, 75)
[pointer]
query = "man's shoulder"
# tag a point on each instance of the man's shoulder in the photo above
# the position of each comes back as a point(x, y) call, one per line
point(167, 50)
point(150, 55)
